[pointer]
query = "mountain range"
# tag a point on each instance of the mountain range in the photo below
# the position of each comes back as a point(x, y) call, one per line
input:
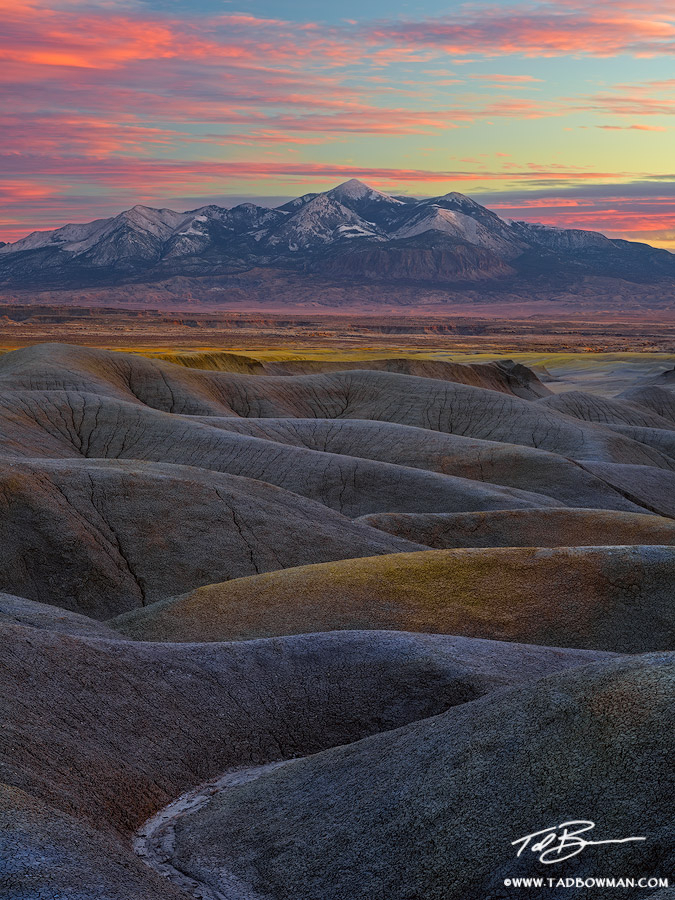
point(352, 234)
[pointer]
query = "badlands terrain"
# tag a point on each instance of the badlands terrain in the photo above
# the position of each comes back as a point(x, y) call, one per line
point(333, 627)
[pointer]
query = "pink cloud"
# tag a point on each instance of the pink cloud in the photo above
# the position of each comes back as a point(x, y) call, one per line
point(127, 71)
point(162, 173)
point(507, 79)
point(649, 98)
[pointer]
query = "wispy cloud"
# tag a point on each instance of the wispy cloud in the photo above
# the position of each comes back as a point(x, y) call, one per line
point(631, 127)
point(133, 171)
point(554, 28)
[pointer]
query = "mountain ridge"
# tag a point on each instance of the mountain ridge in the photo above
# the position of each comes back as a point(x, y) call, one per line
point(349, 233)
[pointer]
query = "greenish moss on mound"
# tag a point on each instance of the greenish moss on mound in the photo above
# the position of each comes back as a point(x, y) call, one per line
point(610, 598)
point(213, 360)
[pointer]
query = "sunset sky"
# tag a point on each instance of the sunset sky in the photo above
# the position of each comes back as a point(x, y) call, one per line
point(559, 112)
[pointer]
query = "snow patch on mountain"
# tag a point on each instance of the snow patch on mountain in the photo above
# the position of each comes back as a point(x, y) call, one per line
point(79, 238)
point(458, 225)
point(318, 223)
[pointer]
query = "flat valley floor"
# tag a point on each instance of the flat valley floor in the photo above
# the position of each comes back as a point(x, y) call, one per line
point(328, 609)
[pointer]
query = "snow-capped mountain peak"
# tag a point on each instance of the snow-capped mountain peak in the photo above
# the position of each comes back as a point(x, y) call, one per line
point(356, 190)
point(318, 222)
point(460, 199)
point(460, 226)
point(59, 238)
point(159, 222)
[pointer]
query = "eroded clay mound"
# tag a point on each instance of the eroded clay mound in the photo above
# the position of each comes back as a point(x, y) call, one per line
point(380, 396)
point(99, 537)
point(610, 598)
point(526, 528)
point(46, 617)
point(68, 425)
point(504, 375)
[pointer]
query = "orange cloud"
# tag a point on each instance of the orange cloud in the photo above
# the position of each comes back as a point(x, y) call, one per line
point(631, 127)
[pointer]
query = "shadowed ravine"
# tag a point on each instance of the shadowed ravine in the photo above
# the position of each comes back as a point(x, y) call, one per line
point(155, 841)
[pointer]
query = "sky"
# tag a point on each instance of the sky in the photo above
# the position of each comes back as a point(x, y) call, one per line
point(558, 111)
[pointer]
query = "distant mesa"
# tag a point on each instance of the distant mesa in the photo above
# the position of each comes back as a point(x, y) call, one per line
point(352, 235)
